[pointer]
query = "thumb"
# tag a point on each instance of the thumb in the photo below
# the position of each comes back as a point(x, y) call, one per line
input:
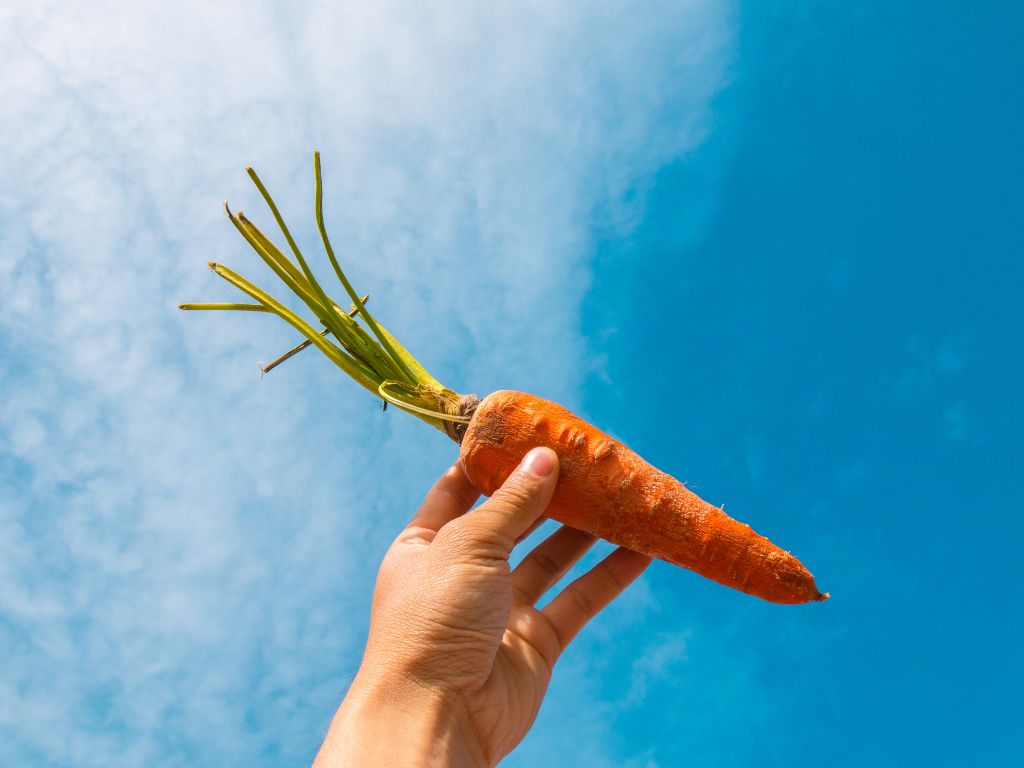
point(521, 499)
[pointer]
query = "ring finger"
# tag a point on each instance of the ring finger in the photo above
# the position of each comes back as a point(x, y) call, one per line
point(548, 562)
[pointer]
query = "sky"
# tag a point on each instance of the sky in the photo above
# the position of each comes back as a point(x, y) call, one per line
point(772, 246)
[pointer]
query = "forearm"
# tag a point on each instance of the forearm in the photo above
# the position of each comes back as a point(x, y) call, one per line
point(396, 723)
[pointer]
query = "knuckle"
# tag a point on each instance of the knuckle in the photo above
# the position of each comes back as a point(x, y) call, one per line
point(452, 537)
point(545, 563)
point(583, 601)
point(516, 493)
point(613, 576)
point(446, 493)
point(522, 596)
point(391, 564)
point(471, 541)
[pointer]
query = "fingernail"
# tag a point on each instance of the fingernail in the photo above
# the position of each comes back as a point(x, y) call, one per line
point(538, 462)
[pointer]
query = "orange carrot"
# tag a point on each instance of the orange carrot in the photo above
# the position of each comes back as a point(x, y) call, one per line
point(608, 490)
point(603, 486)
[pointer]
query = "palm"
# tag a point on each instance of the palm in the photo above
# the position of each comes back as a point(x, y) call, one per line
point(513, 692)
point(502, 644)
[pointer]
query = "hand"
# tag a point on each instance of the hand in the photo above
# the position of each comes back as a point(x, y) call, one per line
point(458, 658)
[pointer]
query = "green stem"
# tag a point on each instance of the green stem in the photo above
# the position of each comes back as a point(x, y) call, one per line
point(307, 343)
point(384, 340)
point(304, 284)
point(223, 307)
point(291, 241)
point(354, 368)
point(377, 362)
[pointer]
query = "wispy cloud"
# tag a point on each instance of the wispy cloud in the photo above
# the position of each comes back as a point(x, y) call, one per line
point(657, 661)
point(186, 552)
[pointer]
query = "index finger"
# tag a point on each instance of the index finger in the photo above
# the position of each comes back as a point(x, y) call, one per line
point(450, 497)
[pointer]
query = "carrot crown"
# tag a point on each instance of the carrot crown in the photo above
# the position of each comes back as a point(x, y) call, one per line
point(371, 356)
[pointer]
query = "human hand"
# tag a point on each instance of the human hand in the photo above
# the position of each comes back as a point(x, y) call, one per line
point(458, 658)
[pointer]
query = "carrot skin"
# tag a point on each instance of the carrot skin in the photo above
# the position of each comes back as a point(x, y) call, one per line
point(607, 489)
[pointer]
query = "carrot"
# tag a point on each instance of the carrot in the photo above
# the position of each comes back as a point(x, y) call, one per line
point(603, 487)
point(608, 490)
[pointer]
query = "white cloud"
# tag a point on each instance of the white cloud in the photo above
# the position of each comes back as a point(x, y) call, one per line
point(657, 661)
point(185, 552)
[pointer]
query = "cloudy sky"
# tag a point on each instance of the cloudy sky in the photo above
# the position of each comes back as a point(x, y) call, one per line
point(774, 246)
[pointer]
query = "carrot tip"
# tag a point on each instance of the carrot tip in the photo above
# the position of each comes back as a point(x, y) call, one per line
point(823, 597)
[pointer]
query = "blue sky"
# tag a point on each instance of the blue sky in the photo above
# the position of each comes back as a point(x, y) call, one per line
point(775, 247)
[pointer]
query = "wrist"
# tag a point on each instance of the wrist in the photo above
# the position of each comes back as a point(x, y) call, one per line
point(396, 722)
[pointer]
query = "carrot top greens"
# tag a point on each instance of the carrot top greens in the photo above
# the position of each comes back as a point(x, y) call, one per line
point(373, 357)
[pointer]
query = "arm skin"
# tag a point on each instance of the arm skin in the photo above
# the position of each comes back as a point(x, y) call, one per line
point(458, 657)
